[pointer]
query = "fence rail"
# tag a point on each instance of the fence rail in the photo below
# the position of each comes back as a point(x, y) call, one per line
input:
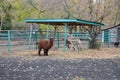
point(16, 40)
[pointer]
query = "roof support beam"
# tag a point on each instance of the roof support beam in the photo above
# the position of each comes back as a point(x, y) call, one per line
point(65, 35)
point(48, 30)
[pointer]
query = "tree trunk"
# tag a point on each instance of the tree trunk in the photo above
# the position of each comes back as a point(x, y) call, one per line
point(92, 44)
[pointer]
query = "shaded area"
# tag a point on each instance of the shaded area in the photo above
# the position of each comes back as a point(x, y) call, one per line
point(50, 68)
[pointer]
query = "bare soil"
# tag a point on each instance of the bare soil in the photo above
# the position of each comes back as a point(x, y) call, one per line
point(102, 64)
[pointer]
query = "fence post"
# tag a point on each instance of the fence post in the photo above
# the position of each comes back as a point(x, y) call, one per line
point(35, 39)
point(102, 36)
point(65, 36)
point(109, 39)
point(9, 46)
point(58, 35)
point(48, 31)
point(30, 37)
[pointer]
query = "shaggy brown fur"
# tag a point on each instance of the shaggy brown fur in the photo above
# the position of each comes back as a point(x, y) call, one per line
point(45, 45)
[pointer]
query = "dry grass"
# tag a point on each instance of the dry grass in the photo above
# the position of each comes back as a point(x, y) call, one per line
point(94, 54)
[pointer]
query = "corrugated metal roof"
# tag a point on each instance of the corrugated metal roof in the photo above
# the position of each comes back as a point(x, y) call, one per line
point(63, 21)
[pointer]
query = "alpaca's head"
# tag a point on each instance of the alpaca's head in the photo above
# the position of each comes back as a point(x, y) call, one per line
point(51, 39)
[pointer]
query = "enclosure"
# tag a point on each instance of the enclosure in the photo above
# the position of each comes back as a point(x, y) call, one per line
point(33, 34)
point(17, 40)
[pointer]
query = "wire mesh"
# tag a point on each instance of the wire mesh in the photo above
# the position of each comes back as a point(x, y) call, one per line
point(21, 40)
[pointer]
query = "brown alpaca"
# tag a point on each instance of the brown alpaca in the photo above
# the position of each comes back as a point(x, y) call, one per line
point(45, 45)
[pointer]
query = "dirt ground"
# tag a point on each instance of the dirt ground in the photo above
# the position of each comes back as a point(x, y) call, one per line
point(103, 64)
point(103, 53)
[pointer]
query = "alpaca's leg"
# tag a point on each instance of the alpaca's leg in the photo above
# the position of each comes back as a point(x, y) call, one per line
point(39, 52)
point(45, 52)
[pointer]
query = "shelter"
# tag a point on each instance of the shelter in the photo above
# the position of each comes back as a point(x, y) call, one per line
point(63, 22)
point(112, 34)
point(66, 23)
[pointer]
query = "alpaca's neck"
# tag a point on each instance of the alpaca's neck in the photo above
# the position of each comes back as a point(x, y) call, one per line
point(51, 41)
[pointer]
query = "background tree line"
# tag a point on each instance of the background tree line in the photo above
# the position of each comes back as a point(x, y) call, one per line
point(13, 12)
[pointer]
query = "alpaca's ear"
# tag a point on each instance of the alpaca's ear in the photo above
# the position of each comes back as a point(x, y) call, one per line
point(51, 38)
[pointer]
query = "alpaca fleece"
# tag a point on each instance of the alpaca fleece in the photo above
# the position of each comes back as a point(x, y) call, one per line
point(45, 45)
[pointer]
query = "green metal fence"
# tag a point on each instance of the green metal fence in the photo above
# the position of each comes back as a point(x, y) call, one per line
point(17, 40)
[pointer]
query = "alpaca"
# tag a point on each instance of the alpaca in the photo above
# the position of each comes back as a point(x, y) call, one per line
point(45, 45)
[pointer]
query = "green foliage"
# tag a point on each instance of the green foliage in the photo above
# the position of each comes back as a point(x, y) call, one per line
point(44, 27)
point(98, 45)
point(76, 1)
point(7, 25)
point(6, 8)
point(93, 44)
point(18, 10)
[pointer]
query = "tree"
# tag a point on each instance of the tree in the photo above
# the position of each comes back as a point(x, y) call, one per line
point(36, 5)
point(106, 11)
point(6, 8)
point(99, 10)
point(117, 12)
